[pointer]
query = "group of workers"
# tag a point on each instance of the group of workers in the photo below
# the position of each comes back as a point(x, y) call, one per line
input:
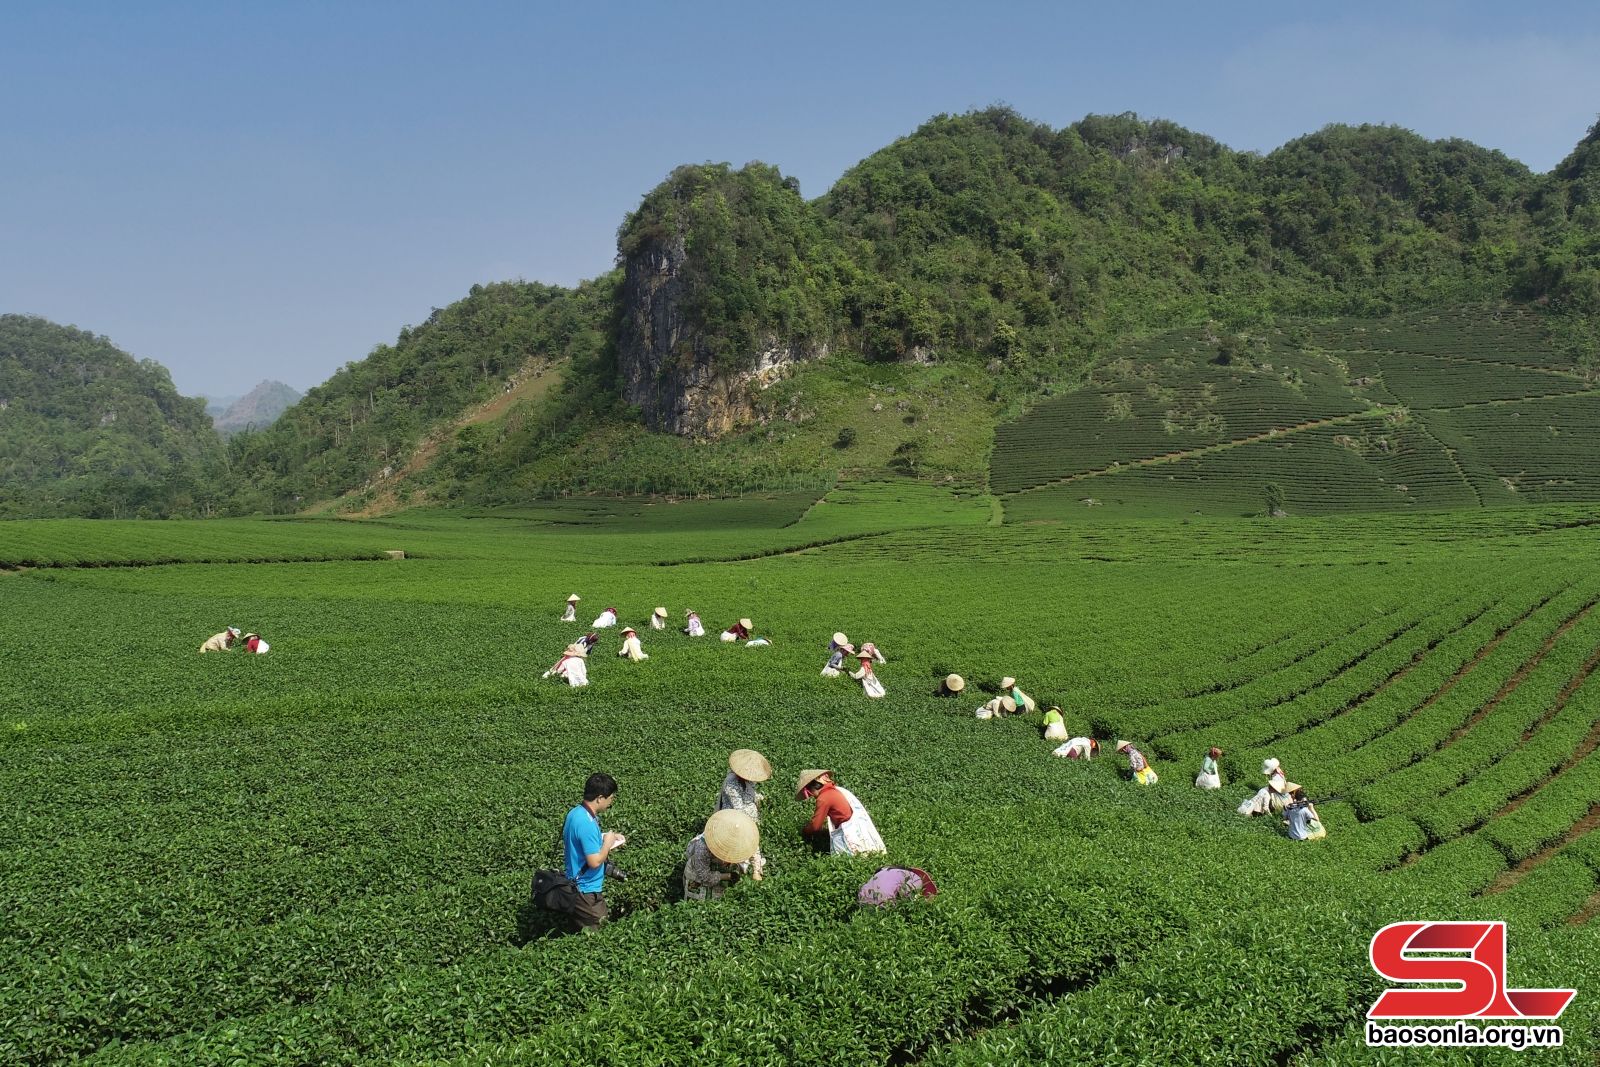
point(729, 845)
point(230, 637)
point(840, 649)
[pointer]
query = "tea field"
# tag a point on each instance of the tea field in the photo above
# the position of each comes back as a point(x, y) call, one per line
point(321, 856)
point(1461, 409)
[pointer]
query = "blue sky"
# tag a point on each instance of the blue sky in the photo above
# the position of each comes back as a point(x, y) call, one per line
point(244, 191)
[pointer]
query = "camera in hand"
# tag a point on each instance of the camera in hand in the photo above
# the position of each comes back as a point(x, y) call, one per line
point(614, 874)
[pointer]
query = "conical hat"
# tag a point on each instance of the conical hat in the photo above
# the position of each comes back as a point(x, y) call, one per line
point(750, 765)
point(808, 776)
point(840, 639)
point(848, 648)
point(955, 683)
point(1007, 682)
point(574, 598)
point(661, 613)
point(576, 650)
point(732, 836)
point(630, 630)
point(747, 624)
point(1123, 744)
point(690, 611)
point(1008, 704)
point(234, 630)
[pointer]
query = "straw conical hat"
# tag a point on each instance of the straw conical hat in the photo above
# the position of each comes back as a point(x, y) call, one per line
point(848, 648)
point(1008, 704)
point(750, 765)
point(732, 836)
point(1123, 744)
point(747, 624)
point(574, 598)
point(1007, 682)
point(661, 613)
point(630, 630)
point(690, 611)
point(808, 776)
point(576, 650)
point(840, 639)
point(955, 683)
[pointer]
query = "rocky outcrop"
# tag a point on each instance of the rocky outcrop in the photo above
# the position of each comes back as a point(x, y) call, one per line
point(665, 367)
point(257, 409)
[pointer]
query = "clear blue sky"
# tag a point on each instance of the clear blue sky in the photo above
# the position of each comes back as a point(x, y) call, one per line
point(254, 190)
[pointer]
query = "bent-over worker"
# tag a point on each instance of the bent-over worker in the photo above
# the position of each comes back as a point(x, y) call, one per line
point(850, 829)
point(694, 629)
point(951, 686)
point(838, 648)
point(1143, 773)
point(253, 643)
point(1077, 748)
point(658, 619)
point(571, 666)
point(738, 631)
point(221, 642)
point(1271, 798)
point(1008, 685)
point(719, 853)
point(1055, 725)
point(746, 768)
point(999, 706)
point(869, 681)
point(1300, 818)
point(630, 646)
point(607, 618)
point(1210, 777)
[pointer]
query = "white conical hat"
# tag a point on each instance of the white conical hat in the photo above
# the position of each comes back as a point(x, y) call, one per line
point(840, 639)
point(955, 683)
point(732, 836)
point(1007, 682)
point(747, 624)
point(750, 765)
point(661, 613)
point(574, 598)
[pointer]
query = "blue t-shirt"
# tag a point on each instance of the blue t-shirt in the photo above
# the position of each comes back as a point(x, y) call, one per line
point(1299, 816)
point(580, 834)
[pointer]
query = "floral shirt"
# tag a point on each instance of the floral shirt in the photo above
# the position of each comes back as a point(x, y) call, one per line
point(739, 795)
point(1136, 760)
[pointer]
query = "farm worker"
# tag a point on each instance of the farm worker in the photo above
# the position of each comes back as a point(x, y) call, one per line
point(588, 641)
point(221, 642)
point(1209, 777)
point(1000, 705)
point(952, 685)
point(870, 649)
point(869, 681)
point(746, 768)
point(719, 853)
point(757, 642)
point(630, 646)
point(1055, 725)
point(891, 884)
point(1301, 819)
point(658, 619)
point(738, 631)
point(1009, 685)
point(253, 643)
point(838, 648)
point(1143, 773)
point(571, 666)
point(607, 617)
point(587, 850)
point(850, 829)
point(1077, 748)
point(1272, 797)
point(572, 608)
point(694, 629)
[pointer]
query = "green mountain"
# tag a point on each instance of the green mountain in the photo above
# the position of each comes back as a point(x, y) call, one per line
point(87, 430)
point(752, 339)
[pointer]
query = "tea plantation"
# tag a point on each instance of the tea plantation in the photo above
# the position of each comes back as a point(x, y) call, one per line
point(322, 855)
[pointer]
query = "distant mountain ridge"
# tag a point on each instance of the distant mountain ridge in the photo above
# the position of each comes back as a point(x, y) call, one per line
point(750, 338)
point(257, 409)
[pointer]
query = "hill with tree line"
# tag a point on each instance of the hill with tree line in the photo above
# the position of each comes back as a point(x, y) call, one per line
point(749, 338)
point(86, 429)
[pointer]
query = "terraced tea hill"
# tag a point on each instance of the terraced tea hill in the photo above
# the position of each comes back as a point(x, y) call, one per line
point(1422, 412)
point(322, 855)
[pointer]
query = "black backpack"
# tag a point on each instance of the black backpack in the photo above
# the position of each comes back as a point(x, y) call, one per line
point(554, 891)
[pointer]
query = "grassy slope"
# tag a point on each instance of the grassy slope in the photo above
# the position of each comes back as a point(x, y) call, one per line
point(319, 855)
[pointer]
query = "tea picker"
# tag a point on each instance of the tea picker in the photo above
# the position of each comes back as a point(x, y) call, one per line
point(1210, 777)
point(695, 628)
point(746, 769)
point(1077, 748)
point(722, 851)
point(869, 681)
point(607, 618)
point(951, 686)
point(221, 642)
point(572, 608)
point(838, 649)
point(738, 631)
point(658, 619)
point(850, 830)
point(630, 646)
point(571, 666)
point(1143, 773)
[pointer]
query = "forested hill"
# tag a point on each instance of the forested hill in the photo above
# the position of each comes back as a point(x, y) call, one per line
point(86, 429)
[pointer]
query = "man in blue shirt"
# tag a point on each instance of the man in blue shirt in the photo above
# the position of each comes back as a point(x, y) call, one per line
point(587, 850)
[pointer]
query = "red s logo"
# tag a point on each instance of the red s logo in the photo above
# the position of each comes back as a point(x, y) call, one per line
point(1480, 974)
